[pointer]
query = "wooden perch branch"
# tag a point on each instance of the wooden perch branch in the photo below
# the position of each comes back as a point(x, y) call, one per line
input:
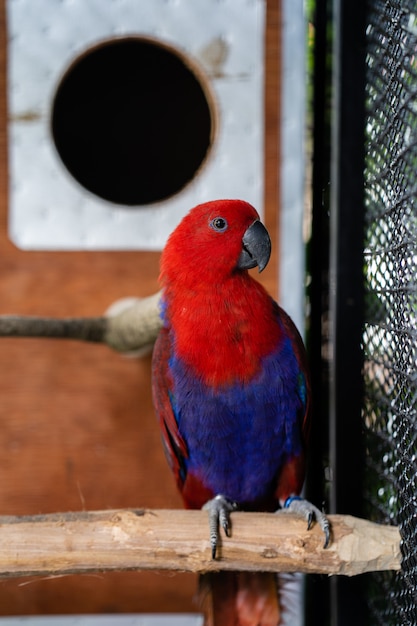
point(130, 327)
point(178, 540)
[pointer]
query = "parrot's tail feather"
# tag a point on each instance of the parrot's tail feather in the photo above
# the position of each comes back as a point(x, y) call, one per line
point(239, 599)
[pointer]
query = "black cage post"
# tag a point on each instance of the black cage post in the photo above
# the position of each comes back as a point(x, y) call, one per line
point(317, 608)
point(346, 285)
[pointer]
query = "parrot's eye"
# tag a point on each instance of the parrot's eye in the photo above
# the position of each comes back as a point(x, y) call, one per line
point(219, 224)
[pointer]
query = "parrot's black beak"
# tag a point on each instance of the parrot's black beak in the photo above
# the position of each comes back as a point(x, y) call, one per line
point(256, 247)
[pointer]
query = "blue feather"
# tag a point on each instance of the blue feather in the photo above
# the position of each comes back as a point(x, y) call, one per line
point(238, 437)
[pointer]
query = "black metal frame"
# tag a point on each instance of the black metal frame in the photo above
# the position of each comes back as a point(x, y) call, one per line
point(346, 286)
point(317, 606)
point(336, 266)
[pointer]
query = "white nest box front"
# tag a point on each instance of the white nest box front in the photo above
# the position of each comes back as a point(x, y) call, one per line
point(124, 114)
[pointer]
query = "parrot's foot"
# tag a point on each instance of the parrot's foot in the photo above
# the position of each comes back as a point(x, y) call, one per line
point(219, 509)
point(306, 509)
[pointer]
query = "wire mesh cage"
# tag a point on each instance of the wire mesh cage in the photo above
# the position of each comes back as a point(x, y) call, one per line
point(390, 330)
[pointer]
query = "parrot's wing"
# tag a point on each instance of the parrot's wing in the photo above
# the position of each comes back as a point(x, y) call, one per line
point(174, 445)
point(304, 377)
point(291, 477)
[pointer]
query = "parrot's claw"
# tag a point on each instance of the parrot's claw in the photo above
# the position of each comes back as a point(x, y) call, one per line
point(308, 511)
point(219, 509)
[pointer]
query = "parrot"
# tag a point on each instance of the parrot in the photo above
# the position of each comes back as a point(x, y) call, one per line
point(231, 391)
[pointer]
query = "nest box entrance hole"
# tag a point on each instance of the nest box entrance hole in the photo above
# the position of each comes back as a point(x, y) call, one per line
point(133, 121)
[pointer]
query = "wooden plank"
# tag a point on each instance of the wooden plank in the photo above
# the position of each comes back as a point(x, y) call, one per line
point(178, 540)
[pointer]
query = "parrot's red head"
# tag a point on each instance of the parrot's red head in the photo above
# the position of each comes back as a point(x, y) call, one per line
point(213, 241)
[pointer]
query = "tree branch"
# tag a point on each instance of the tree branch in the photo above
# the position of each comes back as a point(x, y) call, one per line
point(130, 325)
point(178, 540)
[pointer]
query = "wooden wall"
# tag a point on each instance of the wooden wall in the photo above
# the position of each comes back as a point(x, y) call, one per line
point(77, 427)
